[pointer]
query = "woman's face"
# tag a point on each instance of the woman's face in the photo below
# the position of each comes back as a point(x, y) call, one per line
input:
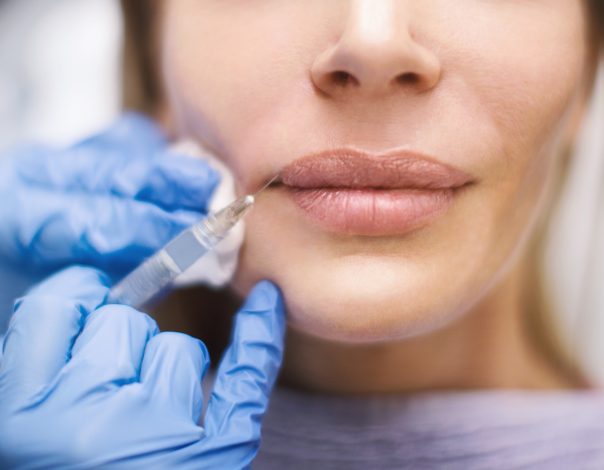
point(428, 132)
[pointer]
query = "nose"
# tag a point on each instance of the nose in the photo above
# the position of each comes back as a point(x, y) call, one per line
point(376, 54)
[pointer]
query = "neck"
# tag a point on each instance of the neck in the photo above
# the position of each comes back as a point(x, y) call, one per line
point(488, 347)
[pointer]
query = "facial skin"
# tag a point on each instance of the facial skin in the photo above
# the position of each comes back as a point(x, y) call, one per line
point(489, 87)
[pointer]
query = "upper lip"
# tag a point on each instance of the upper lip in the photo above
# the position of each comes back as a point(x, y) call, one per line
point(345, 168)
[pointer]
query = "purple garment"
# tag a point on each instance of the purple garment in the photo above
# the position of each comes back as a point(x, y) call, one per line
point(497, 429)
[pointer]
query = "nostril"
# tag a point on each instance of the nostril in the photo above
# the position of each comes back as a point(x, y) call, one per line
point(408, 78)
point(344, 79)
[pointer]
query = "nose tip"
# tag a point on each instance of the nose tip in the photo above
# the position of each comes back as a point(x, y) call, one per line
point(375, 56)
point(376, 71)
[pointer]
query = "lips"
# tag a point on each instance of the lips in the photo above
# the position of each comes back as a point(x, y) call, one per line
point(348, 169)
point(357, 193)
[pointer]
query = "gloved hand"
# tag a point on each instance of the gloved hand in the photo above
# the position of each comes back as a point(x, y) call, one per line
point(84, 385)
point(110, 200)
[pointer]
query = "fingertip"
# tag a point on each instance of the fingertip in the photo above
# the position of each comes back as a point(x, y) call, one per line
point(202, 350)
point(264, 297)
point(262, 318)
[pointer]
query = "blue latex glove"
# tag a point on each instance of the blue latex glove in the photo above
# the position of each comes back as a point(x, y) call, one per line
point(84, 385)
point(108, 201)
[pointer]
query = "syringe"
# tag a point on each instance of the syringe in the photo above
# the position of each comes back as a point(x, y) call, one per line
point(161, 269)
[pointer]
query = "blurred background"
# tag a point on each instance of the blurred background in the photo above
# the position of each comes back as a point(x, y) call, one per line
point(60, 74)
point(59, 69)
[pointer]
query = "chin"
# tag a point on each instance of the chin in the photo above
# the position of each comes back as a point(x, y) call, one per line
point(356, 300)
point(368, 320)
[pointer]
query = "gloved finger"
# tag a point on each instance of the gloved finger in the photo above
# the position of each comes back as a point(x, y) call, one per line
point(173, 368)
point(109, 232)
point(248, 370)
point(171, 181)
point(44, 326)
point(128, 159)
point(109, 350)
point(165, 179)
point(85, 164)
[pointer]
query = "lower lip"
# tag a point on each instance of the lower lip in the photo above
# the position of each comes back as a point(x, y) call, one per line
point(374, 212)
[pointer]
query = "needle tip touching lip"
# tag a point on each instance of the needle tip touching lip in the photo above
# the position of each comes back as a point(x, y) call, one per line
point(267, 184)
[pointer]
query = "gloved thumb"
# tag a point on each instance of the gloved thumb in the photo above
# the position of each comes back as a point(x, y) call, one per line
point(248, 370)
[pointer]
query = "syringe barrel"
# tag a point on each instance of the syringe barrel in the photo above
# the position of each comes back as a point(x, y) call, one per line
point(146, 281)
point(159, 271)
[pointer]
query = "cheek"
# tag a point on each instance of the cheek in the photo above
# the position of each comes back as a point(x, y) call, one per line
point(238, 98)
point(522, 99)
point(524, 77)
